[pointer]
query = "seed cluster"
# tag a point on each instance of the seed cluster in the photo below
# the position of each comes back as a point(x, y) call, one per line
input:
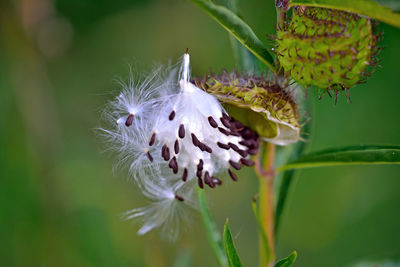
point(228, 127)
point(327, 48)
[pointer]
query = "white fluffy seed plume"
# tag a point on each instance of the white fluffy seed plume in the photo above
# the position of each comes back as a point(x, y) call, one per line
point(174, 136)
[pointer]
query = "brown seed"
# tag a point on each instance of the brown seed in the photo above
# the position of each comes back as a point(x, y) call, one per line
point(179, 198)
point(235, 165)
point(247, 162)
point(129, 120)
point(202, 146)
point(232, 175)
point(234, 133)
point(172, 115)
point(165, 152)
point(200, 165)
point(195, 141)
point(208, 149)
point(199, 173)
point(225, 132)
point(176, 146)
point(200, 182)
point(234, 147)
point(223, 146)
point(207, 177)
point(225, 116)
point(149, 156)
point(173, 164)
point(242, 153)
point(181, 132)
point(253, 151)
point(152, 139)
point(225, 122)
point(212, 122)
point(185, 175)
point(216, 181)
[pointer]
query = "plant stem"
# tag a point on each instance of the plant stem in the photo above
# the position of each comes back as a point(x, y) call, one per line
point(266, 205)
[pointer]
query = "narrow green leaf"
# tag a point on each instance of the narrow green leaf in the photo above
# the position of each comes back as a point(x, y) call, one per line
point(261, 229)
point(288, 261)
point(353, 155)
point(213, 235)
point(368, 8)
point(239, 29)
point(230, 249)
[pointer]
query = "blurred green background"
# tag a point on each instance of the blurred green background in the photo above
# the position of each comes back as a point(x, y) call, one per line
point(61, 201)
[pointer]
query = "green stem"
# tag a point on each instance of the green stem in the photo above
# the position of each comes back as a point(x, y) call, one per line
point(266, 206)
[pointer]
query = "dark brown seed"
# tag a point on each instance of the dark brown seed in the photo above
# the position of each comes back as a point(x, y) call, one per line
point(234, 147)
point(208, 149)
point(199, 173)
point(172, 115)
point(232, 175)
point(176, 146)
point(234, 133)
point(202, 146)
point(247, 162)
point(129, 120)
point(200, 182)
point(235, 165)
point(185, 175)
point(152, 139)
point(212, 122)
point(173, 164)
point(165, 152)
point(181, 132)
point(247, 143)
point(223, 146)
point(225, 116)
point(207, 177)
point(216, 181)
point(222, 130)
point(242, 153)
point(253, 151)
point(225, 122)
point(149, 156)
point(179, 198)
point(195, 141)
point(200, 165)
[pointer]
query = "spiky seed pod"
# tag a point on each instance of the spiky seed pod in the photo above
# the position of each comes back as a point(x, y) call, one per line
point(263, 106)
point(327, 48)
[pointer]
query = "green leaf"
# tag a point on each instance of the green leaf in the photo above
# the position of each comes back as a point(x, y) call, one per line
point(213, 235)
point(230, 249)
point(288, 261)
point(353, 155)
point(239, 29)
point(368, 8)
point(261, 229)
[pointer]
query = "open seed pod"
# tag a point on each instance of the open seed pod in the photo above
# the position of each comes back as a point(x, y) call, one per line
point(327, 48)
point(263, 106)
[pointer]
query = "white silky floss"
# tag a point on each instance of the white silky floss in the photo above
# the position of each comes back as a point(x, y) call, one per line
point(174, 135)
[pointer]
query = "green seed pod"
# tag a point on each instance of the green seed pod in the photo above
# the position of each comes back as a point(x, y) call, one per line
point(263, 106)
point(326, 48)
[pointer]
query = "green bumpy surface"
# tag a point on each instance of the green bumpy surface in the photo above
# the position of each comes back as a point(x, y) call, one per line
point(261, 105)
point(326, 48)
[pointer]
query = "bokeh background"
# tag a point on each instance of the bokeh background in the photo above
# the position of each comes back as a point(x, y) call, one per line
point(61, 201)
